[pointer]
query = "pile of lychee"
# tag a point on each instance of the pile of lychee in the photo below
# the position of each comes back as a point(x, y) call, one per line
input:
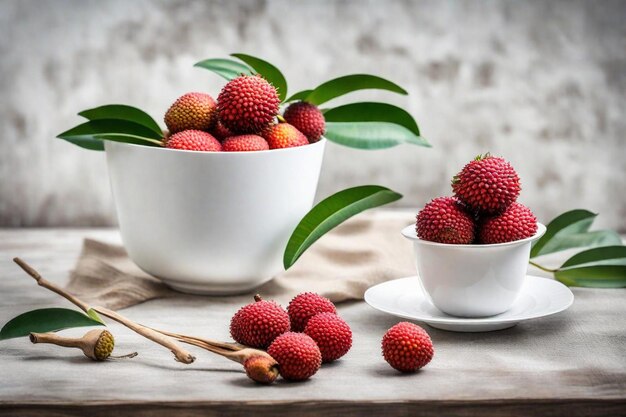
point(310, 332)
point(483, 210)
point(245, 117)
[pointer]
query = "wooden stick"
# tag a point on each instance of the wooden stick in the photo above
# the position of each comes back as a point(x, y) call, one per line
point(180, 354)
point(239, 355)
point(216, 343)
point(50, 286)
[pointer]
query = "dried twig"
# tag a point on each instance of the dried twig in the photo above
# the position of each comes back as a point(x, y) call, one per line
point(180, 353)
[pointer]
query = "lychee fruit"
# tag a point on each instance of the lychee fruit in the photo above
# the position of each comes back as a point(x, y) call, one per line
point(284, 135)
point(247, 104)
point(307, 118)
point(192, 111)
point(220, 132)
point(261, 369)
point(304, 306)
point(193, 140)
point(488, 184)
point(297, 355)
point(244, 143)
point(259, 323)
point(444, 220)
point(516, 223)
point(332, 335)
point(407, 347)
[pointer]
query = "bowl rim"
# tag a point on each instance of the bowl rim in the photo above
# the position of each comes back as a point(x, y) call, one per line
point(410, 233)
point(319, 143)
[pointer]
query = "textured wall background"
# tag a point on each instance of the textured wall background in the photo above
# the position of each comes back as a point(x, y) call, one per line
point(542, 83)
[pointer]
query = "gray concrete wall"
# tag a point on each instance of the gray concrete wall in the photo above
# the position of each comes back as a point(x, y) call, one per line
point(542, 83)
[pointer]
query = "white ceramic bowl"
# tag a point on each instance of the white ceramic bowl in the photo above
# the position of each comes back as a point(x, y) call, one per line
point(211, 222)
point(472, 280)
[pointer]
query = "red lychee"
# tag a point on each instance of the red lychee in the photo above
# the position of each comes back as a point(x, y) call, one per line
point(332, 335)
point(244, 143)
point(488, 184)
point(259, 323)
point(247, 104)
point(192, 111)
point(193, 140)
point(284, 135)
point(307, 118)
point(304, 306)
point(444, 220)
point(297, 355)
point(516, 223)
point(407, 347)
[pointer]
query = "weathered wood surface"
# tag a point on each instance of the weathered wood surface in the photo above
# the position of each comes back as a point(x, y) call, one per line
point(569, 364)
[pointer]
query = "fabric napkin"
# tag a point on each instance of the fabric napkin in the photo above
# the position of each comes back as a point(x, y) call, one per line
point(364, 251)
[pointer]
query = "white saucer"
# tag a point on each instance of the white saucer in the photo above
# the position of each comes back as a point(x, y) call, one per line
point(405, 298)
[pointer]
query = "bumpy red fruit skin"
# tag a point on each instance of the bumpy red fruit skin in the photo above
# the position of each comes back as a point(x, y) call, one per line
point(259, 323)
point(304, 306)
point(307, 118)
point(444, 220)
point(297, 355)
point(488, 184)
point(247, 104)
point(245, 143)
point(193, 140)
point(407, 347)
point(192, 111)
point(220, 132)
point(332, 335)
point(516, 223)
point(284, 135)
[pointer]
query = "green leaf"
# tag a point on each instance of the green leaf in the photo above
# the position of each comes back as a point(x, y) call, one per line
point(90, 134)
point(94, 315)
point(88, 142)
point(127, 138)
point(45, 320)
point(123, 112)
point(572, 222)
point(349, 83)
point(267, 71)
point(580, 240)
point(227, 68)
point(597, 276)
point(372, 112)
point(300, 95)
point(371, 135)
point(330, 213)
point(615, 254)
point(603, 267)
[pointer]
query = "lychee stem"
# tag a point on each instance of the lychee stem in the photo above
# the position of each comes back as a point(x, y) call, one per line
point(180, 354)
point(231, 346)
point(55, 339)
point(88, 343)
point(257, 298)
point(233, 351)
point(543, 268)
point(264, 371)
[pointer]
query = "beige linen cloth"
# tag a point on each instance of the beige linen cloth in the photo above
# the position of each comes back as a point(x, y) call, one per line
point(363, 251)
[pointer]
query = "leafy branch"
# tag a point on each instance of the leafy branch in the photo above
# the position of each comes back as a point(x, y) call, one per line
point(602, 264)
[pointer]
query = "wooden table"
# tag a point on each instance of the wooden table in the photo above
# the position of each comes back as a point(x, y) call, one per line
point(570, 364)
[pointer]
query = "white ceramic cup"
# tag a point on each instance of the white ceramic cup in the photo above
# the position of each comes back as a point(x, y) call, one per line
point(211, 222)
point(472, 280)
